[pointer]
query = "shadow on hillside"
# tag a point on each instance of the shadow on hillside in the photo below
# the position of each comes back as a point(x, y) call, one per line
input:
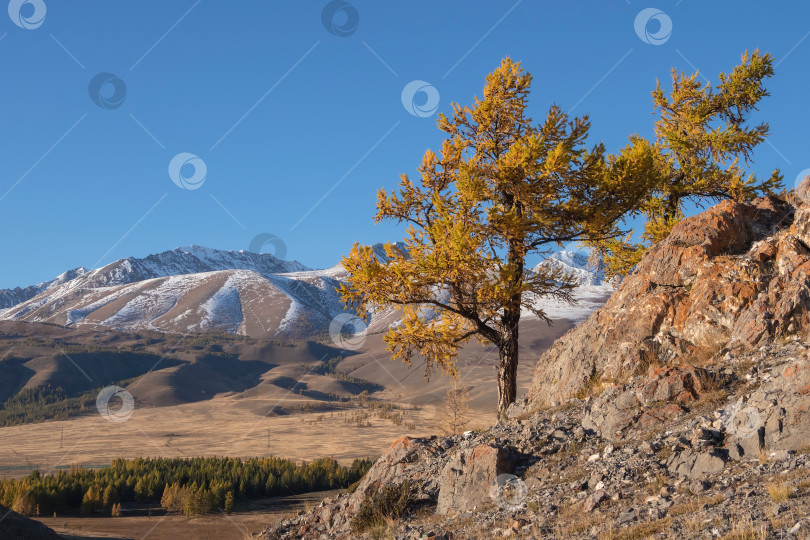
point(213, 374)
point(15, 376)
point(74, 537)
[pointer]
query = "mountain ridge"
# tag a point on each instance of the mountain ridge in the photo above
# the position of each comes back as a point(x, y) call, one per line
point(198, 289)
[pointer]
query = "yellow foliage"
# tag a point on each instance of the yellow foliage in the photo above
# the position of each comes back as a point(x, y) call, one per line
point(701, 136)
point(501, 188)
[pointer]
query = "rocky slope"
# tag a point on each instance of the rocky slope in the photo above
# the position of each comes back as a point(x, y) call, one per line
point(730, 278)
point(678, 410)
point(548, 476)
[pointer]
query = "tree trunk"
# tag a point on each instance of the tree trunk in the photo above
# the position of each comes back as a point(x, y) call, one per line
point(507, 368)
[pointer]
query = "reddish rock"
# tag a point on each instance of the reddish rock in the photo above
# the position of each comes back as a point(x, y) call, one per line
point(660, 415)
point(681, 383)
point(735, 276)
point(593, 500)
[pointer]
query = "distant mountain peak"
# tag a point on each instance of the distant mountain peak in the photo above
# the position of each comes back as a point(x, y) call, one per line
point(575, 263)
point(195, 289)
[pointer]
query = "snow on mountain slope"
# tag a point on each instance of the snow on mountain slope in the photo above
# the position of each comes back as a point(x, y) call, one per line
point(12, 297)
point(197, 289)
point(187, 260)
point(575, 263)
point(591, 293)
point(183, 290)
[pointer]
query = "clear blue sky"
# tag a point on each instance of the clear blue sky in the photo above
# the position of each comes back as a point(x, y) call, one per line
point(85, 185)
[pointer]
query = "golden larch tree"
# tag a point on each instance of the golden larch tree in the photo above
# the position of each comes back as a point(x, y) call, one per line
point(502, 188)
point(703, 142)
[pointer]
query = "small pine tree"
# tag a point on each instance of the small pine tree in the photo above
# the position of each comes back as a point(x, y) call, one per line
point(455, 415)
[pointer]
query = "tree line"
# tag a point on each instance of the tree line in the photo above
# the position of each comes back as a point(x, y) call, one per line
point(189, 486)
point(33, 405)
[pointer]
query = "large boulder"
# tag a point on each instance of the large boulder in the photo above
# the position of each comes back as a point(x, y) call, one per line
point(417, 461)
point(466, 479)
point(697, 464)
point(733, 277)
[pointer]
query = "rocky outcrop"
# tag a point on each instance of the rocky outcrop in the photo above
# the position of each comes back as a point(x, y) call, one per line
point(693, 379)
point(733, 277)
point(776, 416)
point(649, 401)
point(451, 474)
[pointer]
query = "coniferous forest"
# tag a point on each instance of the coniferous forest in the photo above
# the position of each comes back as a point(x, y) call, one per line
point(189, 486)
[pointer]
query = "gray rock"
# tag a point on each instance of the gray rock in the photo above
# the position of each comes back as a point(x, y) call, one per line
point(628, 515)
point(466, 478)
point(697, 465)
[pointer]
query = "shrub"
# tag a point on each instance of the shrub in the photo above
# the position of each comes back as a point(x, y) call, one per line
point(391, 503)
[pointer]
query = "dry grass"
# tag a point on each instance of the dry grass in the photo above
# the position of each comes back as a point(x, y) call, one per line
point(713, 385)
point(253, 516)
point(637, 532)
point(664, 453)
point(647, 359)
point(217, 427)
point(659, 482)
point(694, 504)
point(695, 522)
point(575, 473)
point(572, 521)
point(594, 386)
point(383, 531)
point(779, 491)
point(746, 530)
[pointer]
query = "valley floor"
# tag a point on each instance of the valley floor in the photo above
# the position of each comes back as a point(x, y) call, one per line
point(246, 519)
point(218, 427)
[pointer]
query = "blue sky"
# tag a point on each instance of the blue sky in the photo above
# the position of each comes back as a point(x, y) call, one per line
point(298, 127)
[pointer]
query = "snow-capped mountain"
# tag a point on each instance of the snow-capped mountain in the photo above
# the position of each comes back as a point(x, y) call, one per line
point(17, 295)
point(591, 293)
point(187, 260)
point(194, 289)
point(575, 263)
